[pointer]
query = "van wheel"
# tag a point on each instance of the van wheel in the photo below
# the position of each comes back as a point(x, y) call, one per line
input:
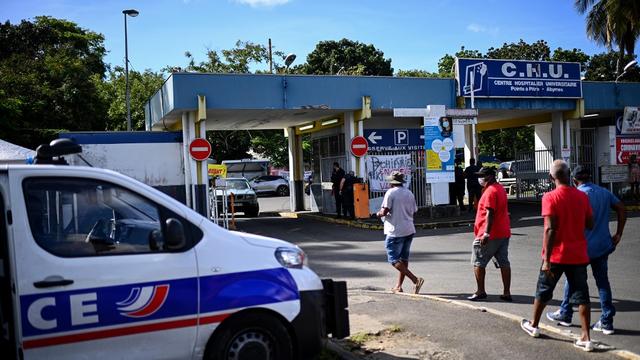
point(282, 190)
point(251, 337)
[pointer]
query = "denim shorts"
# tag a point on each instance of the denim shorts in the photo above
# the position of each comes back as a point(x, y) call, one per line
point(576, 276)
point(498, 248)
point(398, 248)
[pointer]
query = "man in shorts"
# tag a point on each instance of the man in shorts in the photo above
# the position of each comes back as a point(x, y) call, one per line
point(398, 207)
point(567, 213)
point(492, 230)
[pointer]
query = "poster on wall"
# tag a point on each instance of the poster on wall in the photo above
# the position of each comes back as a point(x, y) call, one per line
point(379, 167)
point(627, 134)
point(439, 149)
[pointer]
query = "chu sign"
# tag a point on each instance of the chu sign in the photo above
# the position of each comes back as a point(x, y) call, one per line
point(518, 78)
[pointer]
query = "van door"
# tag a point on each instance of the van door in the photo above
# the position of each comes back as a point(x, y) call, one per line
point(94, 273)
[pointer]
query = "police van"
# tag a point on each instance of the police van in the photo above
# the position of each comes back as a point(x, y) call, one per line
point(95, 264)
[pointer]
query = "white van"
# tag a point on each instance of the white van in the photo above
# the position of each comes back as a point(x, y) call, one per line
point(95, 265)
point(246, 168)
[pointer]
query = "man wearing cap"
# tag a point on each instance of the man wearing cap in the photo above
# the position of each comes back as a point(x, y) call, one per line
point(600, 244)
point(492, 230)
point(567, 214)
point(398, 207)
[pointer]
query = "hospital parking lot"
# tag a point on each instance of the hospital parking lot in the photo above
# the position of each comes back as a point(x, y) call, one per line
point(442, 257)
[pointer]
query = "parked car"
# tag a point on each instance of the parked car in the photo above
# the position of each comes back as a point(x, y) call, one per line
point(246, 168)
point(270, 184)
point(509, 169)
point(245, 198)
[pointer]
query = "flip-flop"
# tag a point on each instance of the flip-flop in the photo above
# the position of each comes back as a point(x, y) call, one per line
point(419, 283)
point(396, 290)
point(506, 298)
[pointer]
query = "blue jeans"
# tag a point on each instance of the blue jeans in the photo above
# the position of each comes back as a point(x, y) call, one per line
point(599, 268)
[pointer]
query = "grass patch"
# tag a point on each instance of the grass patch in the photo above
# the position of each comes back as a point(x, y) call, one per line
point(394, 329)
point(361, 338)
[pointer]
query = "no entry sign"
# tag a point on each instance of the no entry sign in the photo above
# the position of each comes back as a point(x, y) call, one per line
point(359, 146)
point(200, 149)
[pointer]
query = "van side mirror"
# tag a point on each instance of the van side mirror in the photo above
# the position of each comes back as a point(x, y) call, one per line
point(174, 239)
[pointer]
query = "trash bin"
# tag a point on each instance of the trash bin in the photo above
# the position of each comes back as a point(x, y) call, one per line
point(361, 200)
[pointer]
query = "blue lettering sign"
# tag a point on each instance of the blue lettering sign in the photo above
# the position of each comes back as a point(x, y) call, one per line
point(394, 139)
point(518, 78)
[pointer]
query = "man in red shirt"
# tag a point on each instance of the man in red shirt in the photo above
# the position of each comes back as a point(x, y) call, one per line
point(567, 213)
point(492, 231)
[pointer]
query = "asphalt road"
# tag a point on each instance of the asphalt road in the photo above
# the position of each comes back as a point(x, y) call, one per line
point(269, 203)
point(442, 257)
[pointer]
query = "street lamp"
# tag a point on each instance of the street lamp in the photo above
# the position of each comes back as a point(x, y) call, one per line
point(626, 68)
point(132, 13)
point(288, 60)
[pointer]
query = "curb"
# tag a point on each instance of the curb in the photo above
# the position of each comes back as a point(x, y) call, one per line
point(623, 354)
point(378, 226)
point(339, 350)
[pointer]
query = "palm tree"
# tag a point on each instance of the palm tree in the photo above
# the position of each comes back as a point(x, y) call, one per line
point(613, 23)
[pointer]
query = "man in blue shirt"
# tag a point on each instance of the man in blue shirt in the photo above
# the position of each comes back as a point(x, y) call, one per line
point(600, 244)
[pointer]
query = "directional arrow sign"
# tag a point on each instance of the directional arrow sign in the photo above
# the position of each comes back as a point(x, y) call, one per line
point(373, 138)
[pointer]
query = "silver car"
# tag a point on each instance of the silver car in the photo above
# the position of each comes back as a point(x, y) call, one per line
point(269, 184)
point(244, 198)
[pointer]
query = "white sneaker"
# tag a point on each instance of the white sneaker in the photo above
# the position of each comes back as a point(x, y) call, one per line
point(529, 329)
point(607, 330)
point(584, 345)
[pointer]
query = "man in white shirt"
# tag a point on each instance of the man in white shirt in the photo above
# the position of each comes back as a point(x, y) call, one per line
point(397, 211)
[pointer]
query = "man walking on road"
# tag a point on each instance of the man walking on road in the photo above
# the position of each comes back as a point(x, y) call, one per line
point(600, 244)
point(398, 207)
point(473, 187)
point(492, 231)
point(336, 178)
point(567, 214)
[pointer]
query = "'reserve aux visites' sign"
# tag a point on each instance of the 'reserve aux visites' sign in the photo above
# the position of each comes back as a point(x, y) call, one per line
point(518, 78)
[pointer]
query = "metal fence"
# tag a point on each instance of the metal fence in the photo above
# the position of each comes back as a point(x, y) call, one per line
point(418, 186)
point(532, 174)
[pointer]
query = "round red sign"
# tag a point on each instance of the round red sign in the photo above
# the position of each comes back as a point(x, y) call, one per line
point(359, 146)
point(200, 149)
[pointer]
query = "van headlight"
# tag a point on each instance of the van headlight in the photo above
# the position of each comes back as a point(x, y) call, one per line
point(291, 257)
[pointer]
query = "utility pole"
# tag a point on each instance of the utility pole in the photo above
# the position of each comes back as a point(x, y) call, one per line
point(270, 58)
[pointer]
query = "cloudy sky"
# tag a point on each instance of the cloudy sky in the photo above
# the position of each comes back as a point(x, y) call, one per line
point(414, 33)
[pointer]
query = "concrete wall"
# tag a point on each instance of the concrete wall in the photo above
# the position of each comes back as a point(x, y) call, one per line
point(543, 136)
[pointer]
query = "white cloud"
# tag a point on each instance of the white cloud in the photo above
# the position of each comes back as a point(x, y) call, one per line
point(262, 3)
point(477, 28)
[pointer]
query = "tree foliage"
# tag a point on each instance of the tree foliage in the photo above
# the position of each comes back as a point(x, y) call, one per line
point(416, 73)
point(49, 74)
point(612, 23)
point(346, 57)
point(505, 143)
point(238, 59)
point(602, 67)
point(142, 86)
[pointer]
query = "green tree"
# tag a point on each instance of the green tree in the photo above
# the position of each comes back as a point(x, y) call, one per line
point(521, 50)
point(49, 70)
point(613, 23)
point(416, 73)
point(346, 57)
point(112, 90)
point(573, 55)
point(602, 67)
point(272, 144)
point(505, 143)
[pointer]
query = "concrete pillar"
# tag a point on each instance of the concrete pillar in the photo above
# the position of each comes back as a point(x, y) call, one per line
point(468, 144)
point(349, 133)
point(543, 140)
point(296, 171)
point(196, 178)
point(557, 133)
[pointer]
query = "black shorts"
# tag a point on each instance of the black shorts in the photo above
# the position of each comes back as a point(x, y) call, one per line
point(576, 276)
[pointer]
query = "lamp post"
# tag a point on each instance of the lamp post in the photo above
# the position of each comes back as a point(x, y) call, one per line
point(631, 64)
point(132, 13)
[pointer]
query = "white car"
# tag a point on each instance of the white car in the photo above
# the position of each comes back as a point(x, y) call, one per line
point(270, 184)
